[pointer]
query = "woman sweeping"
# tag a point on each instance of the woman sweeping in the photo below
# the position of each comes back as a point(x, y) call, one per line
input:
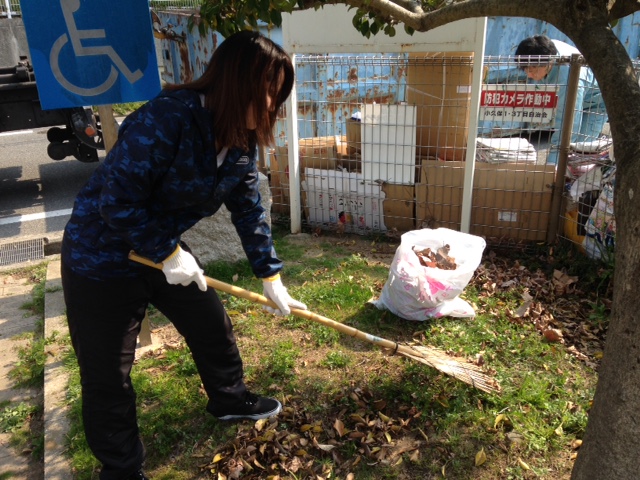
point(178, 158)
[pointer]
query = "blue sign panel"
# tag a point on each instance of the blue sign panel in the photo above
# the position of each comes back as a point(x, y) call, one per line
point(91, 52)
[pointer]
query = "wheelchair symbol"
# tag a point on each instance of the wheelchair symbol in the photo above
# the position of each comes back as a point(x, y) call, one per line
point(76, 36)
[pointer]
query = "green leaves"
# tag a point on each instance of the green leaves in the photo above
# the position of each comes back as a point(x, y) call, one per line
point(231, 16)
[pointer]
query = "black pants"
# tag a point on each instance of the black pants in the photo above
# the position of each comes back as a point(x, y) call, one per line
point(104, 321)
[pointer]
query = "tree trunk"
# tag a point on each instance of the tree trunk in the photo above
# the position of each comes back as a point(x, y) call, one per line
point(611, 446)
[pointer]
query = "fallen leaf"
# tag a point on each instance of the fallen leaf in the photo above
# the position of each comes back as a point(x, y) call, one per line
point(339, 427)
point(383, 417)
point(523, 310)
point(515, 437)
point(523, 464)
point(259, 425)
point(552, 335)
point(217, 458)
point(481, 457)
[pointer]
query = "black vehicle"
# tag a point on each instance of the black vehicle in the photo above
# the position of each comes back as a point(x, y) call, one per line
point(74, 131)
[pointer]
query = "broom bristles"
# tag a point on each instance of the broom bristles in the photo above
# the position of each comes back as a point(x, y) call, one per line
point(460, 369)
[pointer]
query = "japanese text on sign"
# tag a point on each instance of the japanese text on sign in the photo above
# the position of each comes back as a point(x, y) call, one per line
point(519, 99)
point(519, 102)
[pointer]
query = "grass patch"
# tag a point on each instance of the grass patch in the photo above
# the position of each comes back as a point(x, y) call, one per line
point(124, 109)
point(25, 421)
point(350, 407)
point(29, 370)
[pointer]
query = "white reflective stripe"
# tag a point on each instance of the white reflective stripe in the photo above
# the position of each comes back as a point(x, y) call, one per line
point(18, 132)
point(34, 216)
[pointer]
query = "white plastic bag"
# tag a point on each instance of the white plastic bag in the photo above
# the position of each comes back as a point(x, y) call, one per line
point(416, 292)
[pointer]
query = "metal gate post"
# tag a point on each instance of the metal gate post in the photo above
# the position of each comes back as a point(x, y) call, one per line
point(565, 140)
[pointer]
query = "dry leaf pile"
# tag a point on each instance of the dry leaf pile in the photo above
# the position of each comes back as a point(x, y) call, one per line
point(294, 443)
point(556, 306)
point(438, 259)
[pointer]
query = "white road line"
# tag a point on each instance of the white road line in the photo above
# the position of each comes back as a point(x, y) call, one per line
point(19, 132)
point(34, 216)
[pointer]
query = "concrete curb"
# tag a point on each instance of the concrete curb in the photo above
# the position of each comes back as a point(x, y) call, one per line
point(56, 379)
point(53, 244)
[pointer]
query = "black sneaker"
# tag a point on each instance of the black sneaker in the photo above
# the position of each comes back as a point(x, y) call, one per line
point(139, 475)
point(254, 407)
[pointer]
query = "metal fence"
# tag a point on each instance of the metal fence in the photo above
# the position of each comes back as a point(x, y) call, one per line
point(383, 146)
point(9, 8)
point(175, 4)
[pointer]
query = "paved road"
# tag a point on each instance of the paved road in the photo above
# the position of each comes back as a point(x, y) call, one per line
point(36, 193)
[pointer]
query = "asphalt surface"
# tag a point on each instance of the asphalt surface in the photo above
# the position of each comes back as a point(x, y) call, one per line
point(36, 192)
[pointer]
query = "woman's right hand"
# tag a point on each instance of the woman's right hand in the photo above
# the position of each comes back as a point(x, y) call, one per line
point(181, 268)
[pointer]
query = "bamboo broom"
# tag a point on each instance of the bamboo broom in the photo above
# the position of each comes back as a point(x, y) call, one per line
point(457, 368)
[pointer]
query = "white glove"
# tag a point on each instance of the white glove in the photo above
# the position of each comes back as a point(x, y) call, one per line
point(274, 290)
point(181, 268)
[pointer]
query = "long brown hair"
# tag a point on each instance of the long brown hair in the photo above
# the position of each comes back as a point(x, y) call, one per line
point(243, 70)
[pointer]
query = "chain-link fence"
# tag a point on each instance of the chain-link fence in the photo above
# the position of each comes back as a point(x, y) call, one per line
point(383, 144)
point(588, 215)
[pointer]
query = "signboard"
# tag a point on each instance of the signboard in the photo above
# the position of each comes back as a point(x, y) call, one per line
point(519, 102)
point(91, 52)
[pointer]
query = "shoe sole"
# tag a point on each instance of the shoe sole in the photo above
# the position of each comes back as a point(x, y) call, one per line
point(256, 416)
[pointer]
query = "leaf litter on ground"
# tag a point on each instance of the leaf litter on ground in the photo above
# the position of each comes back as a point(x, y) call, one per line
point(299, 443)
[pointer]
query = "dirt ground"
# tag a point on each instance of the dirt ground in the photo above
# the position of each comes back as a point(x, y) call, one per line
point(15, 321)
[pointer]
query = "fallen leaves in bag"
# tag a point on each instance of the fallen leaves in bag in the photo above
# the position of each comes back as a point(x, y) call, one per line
point(439, 259)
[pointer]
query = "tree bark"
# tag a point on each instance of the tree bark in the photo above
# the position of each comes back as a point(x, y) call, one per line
point(611, 446)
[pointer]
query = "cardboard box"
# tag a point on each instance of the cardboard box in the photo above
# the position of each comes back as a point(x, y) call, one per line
point(354, 137)
point(347, 159)
point(509, 200)
point(399, 206)
point(439, 84)
point(279, 183)
point(314, 152)
point(439, 194)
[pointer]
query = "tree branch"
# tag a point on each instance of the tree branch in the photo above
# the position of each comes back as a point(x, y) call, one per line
point(422, 21)
point(622, 8)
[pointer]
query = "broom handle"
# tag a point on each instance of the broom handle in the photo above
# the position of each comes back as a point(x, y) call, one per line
point(306, 314)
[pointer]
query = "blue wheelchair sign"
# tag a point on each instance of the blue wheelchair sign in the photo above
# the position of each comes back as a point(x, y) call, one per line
point(91, 52)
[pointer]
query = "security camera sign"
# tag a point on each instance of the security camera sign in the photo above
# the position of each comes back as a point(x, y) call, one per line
point(519, 102)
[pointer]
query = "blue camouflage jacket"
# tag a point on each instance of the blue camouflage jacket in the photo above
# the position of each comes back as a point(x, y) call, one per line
point(160, 179)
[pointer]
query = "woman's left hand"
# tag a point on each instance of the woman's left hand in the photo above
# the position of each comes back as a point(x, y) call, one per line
point(274, 290)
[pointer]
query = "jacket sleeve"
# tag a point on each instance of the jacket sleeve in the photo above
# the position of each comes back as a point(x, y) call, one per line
point(144, 153)
point(250, 220)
